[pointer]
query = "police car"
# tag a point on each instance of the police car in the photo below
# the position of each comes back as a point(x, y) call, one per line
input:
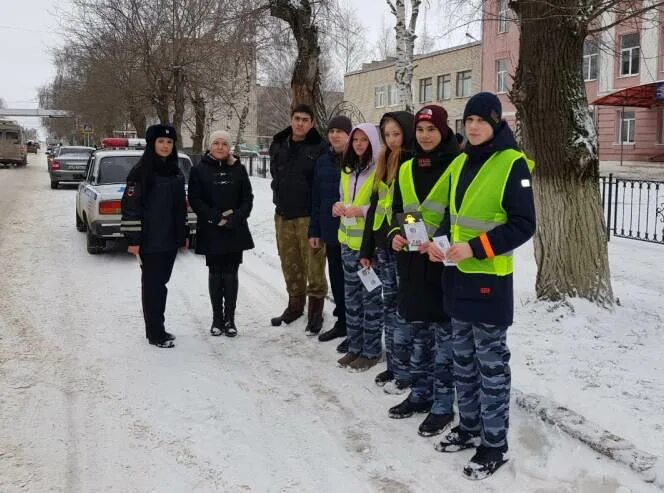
point(99, 195)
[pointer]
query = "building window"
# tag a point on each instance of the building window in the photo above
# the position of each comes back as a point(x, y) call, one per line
point(630, 52)
point(444, 87)
point(426, 90)
point(460, 128)
point(627, 124)
point(503, 13)
point(463, 84)
point(379, 97)
point(501, 75)
point(392, 95)
point(590, 59)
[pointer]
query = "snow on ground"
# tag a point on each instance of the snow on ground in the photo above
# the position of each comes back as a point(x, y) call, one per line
point(88, 405)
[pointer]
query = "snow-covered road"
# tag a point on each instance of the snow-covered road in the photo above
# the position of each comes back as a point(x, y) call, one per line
point(87, 405)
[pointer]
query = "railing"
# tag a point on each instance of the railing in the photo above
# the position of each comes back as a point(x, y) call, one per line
point(256, 165)
point(633, 209)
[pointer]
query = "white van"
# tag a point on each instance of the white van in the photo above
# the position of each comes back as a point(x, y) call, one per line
point(12, 144)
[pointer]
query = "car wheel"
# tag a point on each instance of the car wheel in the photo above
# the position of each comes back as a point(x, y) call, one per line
point(80, 225)
point(54, 185)
point(95, 244)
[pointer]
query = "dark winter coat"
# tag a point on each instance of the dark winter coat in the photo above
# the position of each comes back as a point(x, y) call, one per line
point(482, 297)
point(420, 288)
point(216, 187)
point(378, 239)
point(154, 206)
point(292, 169)
point(324, 194)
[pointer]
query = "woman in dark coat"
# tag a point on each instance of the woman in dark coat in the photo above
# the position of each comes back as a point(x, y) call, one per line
point(154, 219)
point(220, 194)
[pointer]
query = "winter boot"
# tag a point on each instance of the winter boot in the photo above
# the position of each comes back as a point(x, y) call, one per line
point(407, 408)
point(458, 439)
point(338, 330)
point(314, 315)
point(485, 462)
point(230, 297)
point(216, 288)
point(434, 424)
point(293, 311)
point(383, 377)
point(342, 348)
point(166, 343)
point(362, 364)
point(347, 359)
point(169, 336)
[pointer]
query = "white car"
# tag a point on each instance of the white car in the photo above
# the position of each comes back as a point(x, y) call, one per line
point(99, 195)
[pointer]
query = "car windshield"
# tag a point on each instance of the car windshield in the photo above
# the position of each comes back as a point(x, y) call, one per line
point(79, 151)
point(114, 169)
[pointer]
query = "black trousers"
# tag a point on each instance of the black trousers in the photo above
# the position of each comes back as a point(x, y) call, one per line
point(336, 271)
point(156, 272)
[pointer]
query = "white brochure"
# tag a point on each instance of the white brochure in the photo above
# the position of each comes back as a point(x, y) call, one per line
point(416, 234)
point(369, 278)
point(444, 244)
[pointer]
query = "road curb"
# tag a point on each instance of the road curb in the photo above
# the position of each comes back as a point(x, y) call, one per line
point(648, 466)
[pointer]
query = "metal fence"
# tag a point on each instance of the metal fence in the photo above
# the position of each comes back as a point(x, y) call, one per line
point(256, 165)
point(633, 209)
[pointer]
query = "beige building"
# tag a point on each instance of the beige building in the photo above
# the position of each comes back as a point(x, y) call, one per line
point(446, 77)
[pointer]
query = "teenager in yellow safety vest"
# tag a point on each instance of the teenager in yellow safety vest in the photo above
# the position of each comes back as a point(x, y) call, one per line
point(491, 213)
point(423, 338)
point(396, 130)
point(364, 308)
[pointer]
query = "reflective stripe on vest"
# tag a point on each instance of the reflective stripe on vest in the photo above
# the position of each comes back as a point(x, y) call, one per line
point(351, 235)
point(384, 205)
point(482, 210)
point(433, 206)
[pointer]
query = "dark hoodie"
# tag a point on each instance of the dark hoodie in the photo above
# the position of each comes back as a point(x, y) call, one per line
point(482, 297)
point(155, 198)
point(420, 289)
point(378, 239)
point(292, 169)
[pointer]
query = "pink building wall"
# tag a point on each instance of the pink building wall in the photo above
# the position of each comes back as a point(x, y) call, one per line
point(649, 123)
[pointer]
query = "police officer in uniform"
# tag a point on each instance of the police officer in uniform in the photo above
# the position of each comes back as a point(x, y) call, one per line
point(154, 220)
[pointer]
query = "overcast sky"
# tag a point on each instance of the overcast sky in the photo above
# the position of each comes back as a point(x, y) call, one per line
point(29, 29)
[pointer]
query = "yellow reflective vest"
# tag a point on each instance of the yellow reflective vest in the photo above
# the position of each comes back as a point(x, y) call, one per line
point(482, 210)
point(384, 205)
point(351, 229)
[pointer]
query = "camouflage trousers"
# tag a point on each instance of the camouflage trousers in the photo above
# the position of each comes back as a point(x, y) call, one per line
point(423, 358)
point(364, 309)
point(303, 267)
point(387, 266)
point(482, 376)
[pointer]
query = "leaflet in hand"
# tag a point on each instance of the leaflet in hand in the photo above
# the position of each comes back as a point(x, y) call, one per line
point(414, 229)
point(369, 278)
point(349, 221)
point(444, 244)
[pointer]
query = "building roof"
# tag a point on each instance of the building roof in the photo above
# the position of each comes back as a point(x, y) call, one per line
point(380, 64)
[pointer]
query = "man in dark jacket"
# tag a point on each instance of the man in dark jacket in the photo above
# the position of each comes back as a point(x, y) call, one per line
point(324, 226)
point(293, 154)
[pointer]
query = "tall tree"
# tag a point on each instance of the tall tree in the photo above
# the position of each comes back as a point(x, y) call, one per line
point(557, 131)
point(405, 35)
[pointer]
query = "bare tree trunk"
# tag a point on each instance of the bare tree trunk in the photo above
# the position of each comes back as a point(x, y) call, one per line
point(178, 100)
point(405, 35)
point(570, 243)
point(160, 102)
point(138, 120)
point(306, 81)
point(198, 103)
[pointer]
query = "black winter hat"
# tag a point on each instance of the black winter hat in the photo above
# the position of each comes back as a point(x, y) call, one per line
point(436, 115)
point(155, 131)
point(340, 122)
point(487, 106)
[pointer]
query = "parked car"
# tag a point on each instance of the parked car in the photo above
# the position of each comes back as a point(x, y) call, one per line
point(98, 199)
point(32, 146)
point(69, 164)
point(12, 146)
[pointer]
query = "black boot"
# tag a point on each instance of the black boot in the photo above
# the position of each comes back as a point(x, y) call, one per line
point(230, 298)
point(314, 315)
point(343, 346)
point(216, 288)
point(338, 330)
point(407, 408)
point(434, 424)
